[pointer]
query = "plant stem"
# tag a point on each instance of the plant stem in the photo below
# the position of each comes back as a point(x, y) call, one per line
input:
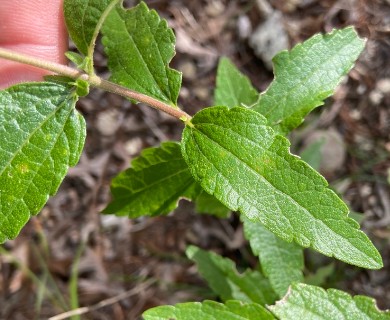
point(95, 81)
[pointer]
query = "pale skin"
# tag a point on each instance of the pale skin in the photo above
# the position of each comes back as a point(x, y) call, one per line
point(34, 27)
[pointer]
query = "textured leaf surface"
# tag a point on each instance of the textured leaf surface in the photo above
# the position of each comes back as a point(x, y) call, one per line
point(233, 88)
point(306, 302)
point(222, 276)
point(154, 184)
point(41, 136)
point(237, 158)
point(82, 17)
point(307, 75)
point(281, 261)
point(139, 47)
point(209, 310)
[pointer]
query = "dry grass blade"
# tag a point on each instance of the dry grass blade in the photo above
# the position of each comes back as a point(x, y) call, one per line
point(104, 303)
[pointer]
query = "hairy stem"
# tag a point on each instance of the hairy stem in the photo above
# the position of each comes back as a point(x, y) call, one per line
point(94, 81)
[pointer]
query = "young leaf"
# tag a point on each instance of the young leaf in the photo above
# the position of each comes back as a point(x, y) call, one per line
point(41, 136)
point(81, 86)
point(233, 88)
point(237, 158)
point(154, 184)
point(281, 261)
point(139, 46)
point(76, 58)
point(222, 276)
point(82, 17)
point(307, 75)
point(307, 302)
point(209, 310)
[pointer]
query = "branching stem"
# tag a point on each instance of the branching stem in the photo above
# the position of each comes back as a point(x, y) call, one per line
point(94, 81)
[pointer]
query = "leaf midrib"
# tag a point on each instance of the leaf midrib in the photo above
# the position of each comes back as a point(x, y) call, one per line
point(266, 180)
point(17, 151)
point(154, 183)
point(143, 61)
point(175, 195)
point(50, 115)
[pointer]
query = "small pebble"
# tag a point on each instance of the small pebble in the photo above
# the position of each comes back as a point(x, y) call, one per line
point(355, 114)
point(269, 38)
point(244, 27)
point(201, 93)
point(333, 151)
point(189, 70)
point(184, 93)
point(383, 85)
point(215, 8)
point(133, 146)
point(361, 89)
point(365, 190)
point(375, 97)
point(107, 122)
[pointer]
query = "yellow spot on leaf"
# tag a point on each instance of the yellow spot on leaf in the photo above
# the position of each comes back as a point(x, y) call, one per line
point(23, 168)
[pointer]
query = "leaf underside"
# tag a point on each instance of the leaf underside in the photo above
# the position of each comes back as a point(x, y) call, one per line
point(139, 46)
point(236, 157)
point(307, 302)
point(209, 310)
point(154, 184)
point(281, 262)
point(82, 17)
point(307, 75)
point(42, 135)
point(223, 278)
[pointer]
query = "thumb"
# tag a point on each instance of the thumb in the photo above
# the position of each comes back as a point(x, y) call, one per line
point(34, 27)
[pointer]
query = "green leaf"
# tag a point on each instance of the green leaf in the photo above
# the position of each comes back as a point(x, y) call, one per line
point(223, 278)
point(319, 277)
point(206, 203)
point(281, 261)
point(154, 184)
point(82, 17)
point(41, 136)
point(81, 86)
point(209, 310)
point(75, 57)
point(314, 303)
point(81, 62)
point(62, 80)
point(307, 75)
point(139, 46)
point(233, 88)
point(312, 154)
point(236, 157)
